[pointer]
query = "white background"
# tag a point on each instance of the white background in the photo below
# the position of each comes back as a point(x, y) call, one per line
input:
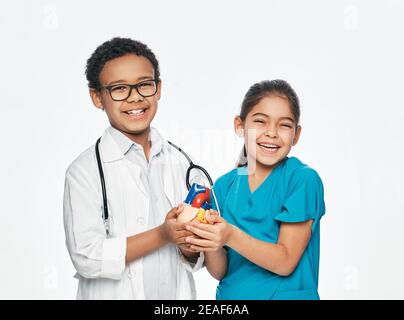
point(344, 59)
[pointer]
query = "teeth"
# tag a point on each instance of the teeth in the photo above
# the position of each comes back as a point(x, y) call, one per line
point(136, 112)
point(271, 146)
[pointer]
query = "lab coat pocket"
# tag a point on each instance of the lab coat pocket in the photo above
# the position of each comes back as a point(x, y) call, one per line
point(308, 294)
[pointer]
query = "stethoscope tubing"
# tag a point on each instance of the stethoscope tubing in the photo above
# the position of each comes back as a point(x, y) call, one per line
point(104, 190)
point(191, 167)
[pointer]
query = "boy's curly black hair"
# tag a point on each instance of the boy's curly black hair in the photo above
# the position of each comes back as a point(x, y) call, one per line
point(114, 48)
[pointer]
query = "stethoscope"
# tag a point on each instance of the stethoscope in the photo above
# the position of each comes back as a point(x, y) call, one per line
point(190, 168)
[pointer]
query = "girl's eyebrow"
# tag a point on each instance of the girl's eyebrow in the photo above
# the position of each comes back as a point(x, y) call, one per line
point(287, 118)
point(267, 116)
point(260, 114)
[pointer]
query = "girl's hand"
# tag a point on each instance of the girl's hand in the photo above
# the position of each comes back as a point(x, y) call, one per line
point(213, 235)
point(186, 247)
point(209, 214)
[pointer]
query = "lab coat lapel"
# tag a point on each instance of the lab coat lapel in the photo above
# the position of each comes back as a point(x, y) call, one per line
point(135, 172)
point(110, 152)
point(174, 176)
point(169, 187)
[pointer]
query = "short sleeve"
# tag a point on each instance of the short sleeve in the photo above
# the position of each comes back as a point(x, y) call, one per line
point(305, 198)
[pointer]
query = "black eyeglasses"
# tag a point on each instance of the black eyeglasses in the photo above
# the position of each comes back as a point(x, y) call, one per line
point(121, 92)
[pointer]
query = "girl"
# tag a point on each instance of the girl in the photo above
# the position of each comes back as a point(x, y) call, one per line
point(266, 244)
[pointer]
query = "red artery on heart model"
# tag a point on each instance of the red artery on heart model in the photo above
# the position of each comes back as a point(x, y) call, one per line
point(201, 198)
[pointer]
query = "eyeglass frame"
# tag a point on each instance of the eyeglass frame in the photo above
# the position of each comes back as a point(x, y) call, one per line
point(131, 86)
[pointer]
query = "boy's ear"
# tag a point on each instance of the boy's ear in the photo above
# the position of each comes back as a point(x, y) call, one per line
point(297, 135)
point(159, 89)
point(238, 126)
point(96, 98)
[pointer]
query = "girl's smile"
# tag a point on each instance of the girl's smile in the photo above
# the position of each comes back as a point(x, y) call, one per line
point(268, 147)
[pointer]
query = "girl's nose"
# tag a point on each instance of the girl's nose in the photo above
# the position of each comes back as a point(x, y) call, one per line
point(271, 132)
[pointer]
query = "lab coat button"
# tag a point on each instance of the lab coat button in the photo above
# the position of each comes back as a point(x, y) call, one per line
point(140, 221)
point(131, 274)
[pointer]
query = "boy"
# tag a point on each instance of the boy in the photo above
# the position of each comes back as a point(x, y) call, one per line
point(142, 255)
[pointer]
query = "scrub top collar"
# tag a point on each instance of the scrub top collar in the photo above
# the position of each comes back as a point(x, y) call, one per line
point(243, 171)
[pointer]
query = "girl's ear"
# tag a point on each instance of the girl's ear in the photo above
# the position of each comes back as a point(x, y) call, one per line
point(239, 126)
point(297, 135)
point(96, 98)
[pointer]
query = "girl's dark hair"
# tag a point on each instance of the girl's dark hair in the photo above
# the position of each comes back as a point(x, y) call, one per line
point(114, 48)
point(263, 89)
point(267, 88)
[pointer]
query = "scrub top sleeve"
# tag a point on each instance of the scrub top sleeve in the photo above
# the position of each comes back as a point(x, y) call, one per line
point(305, 198)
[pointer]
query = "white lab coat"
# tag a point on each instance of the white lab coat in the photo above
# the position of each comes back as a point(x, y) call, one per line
point(98, 259)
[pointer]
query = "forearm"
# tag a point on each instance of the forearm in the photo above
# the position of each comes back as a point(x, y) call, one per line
point(272, 257)
point(216, 263)
point(143, 243)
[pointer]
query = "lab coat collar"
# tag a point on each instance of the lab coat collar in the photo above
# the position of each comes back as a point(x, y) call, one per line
point(123, 142)
point(110, 151)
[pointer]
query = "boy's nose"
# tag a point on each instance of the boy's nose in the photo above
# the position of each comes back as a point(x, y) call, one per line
point(134, 96)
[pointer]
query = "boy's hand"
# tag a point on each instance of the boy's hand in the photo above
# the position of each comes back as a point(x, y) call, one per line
point(172, 230)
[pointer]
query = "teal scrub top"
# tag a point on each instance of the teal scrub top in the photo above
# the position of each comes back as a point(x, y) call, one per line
point(293, 192)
